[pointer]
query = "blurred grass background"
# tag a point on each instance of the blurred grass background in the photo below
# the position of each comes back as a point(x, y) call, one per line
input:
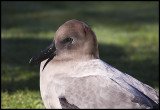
point(127, 33)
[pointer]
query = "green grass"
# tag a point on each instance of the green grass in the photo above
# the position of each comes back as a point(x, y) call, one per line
point(127, 34)
point(22, 99)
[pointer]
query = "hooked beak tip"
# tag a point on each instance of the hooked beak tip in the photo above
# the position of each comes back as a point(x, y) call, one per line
point(49, 52)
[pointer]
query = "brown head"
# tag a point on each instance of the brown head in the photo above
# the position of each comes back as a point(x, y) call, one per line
point(74, 40)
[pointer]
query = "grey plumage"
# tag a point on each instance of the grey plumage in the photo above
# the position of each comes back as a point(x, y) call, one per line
point(101, 91)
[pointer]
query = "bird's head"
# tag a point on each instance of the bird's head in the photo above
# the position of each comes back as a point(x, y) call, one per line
point(74, 40)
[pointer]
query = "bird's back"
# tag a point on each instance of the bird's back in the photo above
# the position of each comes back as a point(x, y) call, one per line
point(95, 84)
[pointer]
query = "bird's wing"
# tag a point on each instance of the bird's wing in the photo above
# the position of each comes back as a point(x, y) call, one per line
point(99, 92)
point(131, 84)
point(96, 84)
point(143, 88)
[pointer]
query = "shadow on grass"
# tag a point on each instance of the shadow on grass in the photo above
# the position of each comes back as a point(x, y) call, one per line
point(18, 75)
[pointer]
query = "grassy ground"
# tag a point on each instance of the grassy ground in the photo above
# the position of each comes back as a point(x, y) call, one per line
point(127, 34)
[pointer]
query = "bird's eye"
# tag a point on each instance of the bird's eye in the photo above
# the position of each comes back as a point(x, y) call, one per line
point(68, 39)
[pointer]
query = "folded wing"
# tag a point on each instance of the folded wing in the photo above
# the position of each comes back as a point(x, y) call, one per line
point(100, 92)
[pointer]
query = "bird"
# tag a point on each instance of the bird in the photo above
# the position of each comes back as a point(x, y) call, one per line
point(72, 75)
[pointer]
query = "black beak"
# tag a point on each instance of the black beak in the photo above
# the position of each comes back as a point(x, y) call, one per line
point(49, 53)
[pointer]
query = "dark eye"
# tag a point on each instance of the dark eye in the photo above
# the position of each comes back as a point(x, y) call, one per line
point(68, 39)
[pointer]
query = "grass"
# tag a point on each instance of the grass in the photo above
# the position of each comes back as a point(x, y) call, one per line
point(127, 34)
point(22, 99)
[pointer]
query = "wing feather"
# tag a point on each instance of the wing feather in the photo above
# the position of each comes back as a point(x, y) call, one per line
point(99, 92)
point(96, 84)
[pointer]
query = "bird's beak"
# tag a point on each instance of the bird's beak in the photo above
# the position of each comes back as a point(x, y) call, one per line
point(49, 53)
